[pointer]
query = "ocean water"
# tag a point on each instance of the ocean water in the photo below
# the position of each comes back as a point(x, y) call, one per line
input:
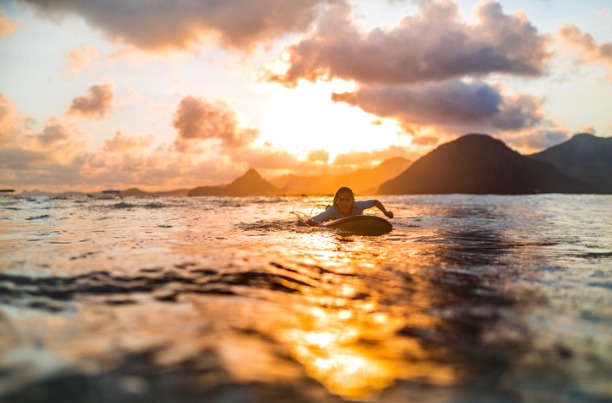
point(468, 299)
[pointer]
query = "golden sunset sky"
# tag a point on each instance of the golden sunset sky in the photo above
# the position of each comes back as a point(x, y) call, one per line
point(98, 94)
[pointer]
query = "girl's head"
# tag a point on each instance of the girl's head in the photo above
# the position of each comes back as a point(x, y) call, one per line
point(344, 200)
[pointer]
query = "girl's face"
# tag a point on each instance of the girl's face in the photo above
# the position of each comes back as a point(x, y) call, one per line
point(344, 201)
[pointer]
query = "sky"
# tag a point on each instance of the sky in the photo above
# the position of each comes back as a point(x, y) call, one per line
point(111, 94)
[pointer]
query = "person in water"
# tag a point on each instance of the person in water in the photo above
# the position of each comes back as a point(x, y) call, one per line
point(345, 206)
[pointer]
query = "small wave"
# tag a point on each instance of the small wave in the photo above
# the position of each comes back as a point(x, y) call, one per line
point(155, 205)
point(38, 217)
point(122, 205)
point(59, 293)
point(596, 255)
point(266, 200)
point(267, 226)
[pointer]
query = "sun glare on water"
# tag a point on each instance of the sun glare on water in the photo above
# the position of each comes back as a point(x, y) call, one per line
point(341, 348)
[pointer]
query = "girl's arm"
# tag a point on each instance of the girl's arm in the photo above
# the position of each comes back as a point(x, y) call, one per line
point(319, 218)
point(382, 208)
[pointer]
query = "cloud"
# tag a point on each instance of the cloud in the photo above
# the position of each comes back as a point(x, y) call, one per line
point(7, 26)
point(451, 105)
point(122, 142)
point(433, 46)
point(267, 158)
point(54, 133)
point(315, 156)
point(59, 139)
point(198, 119)
point(43, 157)
point(96, 104)
point(176, 24)
point(532, 141)
point(79, 59)
point(11, 122)
point(588, 129)
point(17, 159)
point(586, 46)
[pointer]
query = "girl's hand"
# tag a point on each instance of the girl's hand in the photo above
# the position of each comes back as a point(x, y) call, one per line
point(389, 214)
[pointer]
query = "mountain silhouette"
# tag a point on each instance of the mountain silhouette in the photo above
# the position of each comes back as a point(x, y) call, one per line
point(136, 192)
point(585, 157)
point(249, 184)
point(480, 164)
point(362, 181)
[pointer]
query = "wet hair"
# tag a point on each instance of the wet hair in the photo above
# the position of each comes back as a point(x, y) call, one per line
point(344, 189)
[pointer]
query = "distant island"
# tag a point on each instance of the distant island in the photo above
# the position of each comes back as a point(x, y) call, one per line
point(480, 164)
point(249, 184)
point(585, 157)
point(471, 164)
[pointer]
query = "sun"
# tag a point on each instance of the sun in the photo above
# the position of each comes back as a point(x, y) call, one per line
point(306, 119)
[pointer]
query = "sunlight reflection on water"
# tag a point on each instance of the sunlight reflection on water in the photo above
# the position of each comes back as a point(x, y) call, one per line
point(470, 297)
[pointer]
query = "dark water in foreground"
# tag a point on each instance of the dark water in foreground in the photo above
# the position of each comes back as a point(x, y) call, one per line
point(488, 298)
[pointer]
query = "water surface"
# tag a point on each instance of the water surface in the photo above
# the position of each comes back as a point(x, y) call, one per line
point(469, 298)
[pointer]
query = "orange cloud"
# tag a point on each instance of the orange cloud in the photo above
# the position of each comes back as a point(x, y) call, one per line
point(7, 27)
point(96, 104)
point(586, 46)
point(60, 140)
point(54, 133)
point(123, 142)
point(46, 158)
point(532, 141)
point(318, 156)
point(197, 119)
point(267, 158)
point(11, 122)
point(433, 46)
point(178, 24)
point(78, 59)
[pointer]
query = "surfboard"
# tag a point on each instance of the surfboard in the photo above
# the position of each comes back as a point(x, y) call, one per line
point(361, 225)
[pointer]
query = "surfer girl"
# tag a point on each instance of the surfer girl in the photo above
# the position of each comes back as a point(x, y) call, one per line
point(345, 206)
